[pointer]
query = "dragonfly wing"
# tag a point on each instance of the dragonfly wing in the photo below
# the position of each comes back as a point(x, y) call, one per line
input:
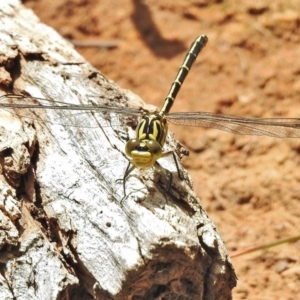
point(274, 127)
point(67, 114)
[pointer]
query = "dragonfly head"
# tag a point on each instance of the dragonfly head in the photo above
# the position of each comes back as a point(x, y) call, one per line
point(143, 153)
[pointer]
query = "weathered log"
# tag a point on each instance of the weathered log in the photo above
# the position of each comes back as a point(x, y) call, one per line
point(64, 233)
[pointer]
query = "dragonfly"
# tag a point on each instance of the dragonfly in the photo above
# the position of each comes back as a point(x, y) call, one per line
point(146, 148)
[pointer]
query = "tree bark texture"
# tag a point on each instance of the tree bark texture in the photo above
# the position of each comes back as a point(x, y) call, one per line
point(64, 233)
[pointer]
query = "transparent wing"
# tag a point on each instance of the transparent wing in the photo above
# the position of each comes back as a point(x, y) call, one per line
point(274, 127)
point(33, 108)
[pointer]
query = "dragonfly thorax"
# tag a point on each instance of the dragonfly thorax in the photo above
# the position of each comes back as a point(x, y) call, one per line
point(147, 147)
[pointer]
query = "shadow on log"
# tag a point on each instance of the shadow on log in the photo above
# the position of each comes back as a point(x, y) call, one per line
point(64, 233)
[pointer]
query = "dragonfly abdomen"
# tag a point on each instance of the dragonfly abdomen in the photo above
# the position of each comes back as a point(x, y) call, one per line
point(190, 57)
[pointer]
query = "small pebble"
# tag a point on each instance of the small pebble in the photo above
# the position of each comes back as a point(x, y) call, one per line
point(281, 266)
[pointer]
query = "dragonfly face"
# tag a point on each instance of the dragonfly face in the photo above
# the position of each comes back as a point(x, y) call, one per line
point(147, 147)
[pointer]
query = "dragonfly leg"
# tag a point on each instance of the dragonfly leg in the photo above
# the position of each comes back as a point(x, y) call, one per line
point(176, 162)
point(131, 167)
point(128, 170)
point(177, 166)
point(169, 181)
point(169, 174)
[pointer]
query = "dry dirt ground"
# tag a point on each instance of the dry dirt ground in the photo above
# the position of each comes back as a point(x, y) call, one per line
point(250, 67)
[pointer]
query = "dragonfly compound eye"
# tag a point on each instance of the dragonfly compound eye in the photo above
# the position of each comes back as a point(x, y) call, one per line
point(130, 146)
point(154, 148)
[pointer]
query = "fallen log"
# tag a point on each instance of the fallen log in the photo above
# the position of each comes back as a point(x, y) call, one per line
point(67, 232)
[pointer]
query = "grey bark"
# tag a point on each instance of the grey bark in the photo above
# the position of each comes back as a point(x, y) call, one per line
point(63, 231)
